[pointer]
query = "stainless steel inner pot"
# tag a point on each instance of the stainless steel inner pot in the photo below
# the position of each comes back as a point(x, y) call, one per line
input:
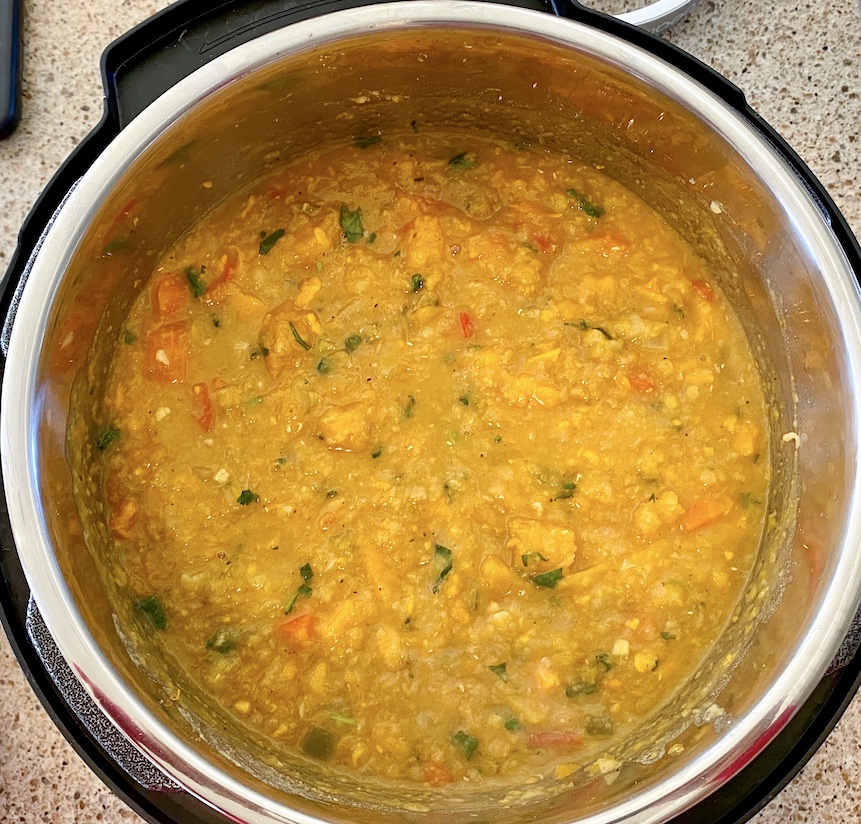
point(526, 77)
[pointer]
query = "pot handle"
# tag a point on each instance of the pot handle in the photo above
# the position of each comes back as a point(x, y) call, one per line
point(121, 751)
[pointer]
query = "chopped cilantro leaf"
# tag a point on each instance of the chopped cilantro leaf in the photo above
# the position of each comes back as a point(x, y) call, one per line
point(599, 725)
point(377, 452)
point(590, 208)
point(511, 723)
point(247, 497)
point(297, 337)
point(531, 556)
point(269, 241)
point(152, 608)
point(467, 743)
point(129, 337)
point(352, 343)
point(410, 408)
point(444, 564)
point(500, 671)
point(306, 572)
point(668, 636)
point(417, 282)
point(580, 688)
point(463, 161)
point(604, 659)
point(548, 579)
point(464, 399)
point(351, 223)
point(566, 490)
point(197, 286)
point(106, 438)
point(324, 366)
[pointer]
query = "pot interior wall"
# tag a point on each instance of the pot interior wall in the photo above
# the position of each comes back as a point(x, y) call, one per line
point(525, 91)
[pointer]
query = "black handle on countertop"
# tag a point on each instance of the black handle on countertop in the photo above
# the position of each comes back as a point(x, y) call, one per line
point(10, 66)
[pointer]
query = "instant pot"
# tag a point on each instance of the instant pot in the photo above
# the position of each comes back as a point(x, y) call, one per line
point(820, 671)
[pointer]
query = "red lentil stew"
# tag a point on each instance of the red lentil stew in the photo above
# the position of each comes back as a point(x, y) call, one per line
point(435, 458)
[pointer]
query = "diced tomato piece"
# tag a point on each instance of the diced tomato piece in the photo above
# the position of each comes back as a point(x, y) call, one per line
point(641, 383)
point(544, 241)
point(608, 239)
point(467, 324)
point(206, 418)
point(170, 295)
point(703, 290)
point(298, 630)
point(437, 775)
point(167, 352)
point(706, 511)
point(559, 740)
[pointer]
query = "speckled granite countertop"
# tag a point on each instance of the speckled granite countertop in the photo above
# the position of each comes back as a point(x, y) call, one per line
point(799, 63)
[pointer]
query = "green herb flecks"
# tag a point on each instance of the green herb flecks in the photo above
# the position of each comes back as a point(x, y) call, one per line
point(343, 719)
point(269, 241)
point(668, 636)
point(463, 162)
point(586, 205)
point(410, 407)
point(195, 281)
point(118, 244)
point(377, 452)
point(604, 659)
point(223, 641)
point(353, 343)
point(319, 743)
point(464, 399)
point(304, 590)
point(372, 237)
point(351, 223)
point(599, 725)
point(107, 437)
point(417, 282)
point(247, 497)
point(581, 688)
point(152, 608)
point(129, 337)
point(465, 742)
point(444, 564)
point(363, 141)
point(511, 723)
point(548, 579)
point(262, 352)
point(531, 558)
point(566, 490)
point(500, 671)
point(297, 337)
point(324, 367)
point(747, 499)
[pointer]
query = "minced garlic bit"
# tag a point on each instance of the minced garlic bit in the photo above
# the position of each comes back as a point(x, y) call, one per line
point(161, 413)
point(161, 357)
point(792, 436)
point(222, 476)
point(717, 208)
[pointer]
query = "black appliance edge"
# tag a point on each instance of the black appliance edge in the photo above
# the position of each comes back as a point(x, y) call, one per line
point(136, 69)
